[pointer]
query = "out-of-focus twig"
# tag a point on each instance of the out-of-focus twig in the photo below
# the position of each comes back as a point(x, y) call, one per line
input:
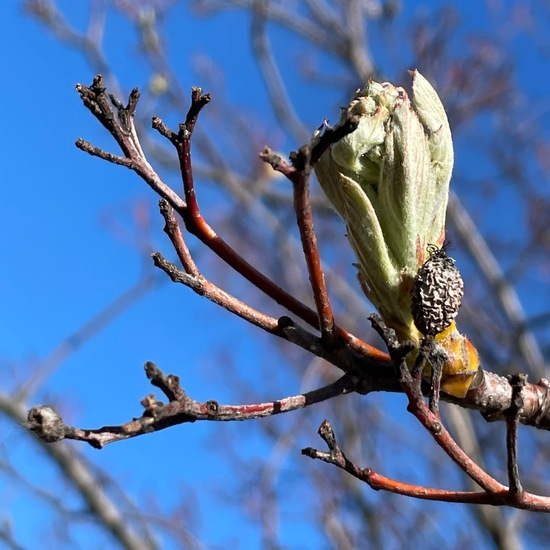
point(271, 75)
point(500, 287)
point(80, 476)
point(69, 345)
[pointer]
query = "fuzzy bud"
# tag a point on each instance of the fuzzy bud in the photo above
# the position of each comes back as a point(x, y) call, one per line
point(389, 182)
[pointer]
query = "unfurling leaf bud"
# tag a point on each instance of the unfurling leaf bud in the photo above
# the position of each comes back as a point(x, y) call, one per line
point(389, 181)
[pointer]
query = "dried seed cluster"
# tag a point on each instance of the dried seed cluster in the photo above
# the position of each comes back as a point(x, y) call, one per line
point(437, 292)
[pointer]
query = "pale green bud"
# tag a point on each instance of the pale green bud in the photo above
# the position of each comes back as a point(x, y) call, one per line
point(389, 181)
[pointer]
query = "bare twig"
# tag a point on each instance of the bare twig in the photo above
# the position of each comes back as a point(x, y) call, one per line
point(496, 494)
point(517, 382)
point(304, 217)
point(172, 229)
point(121, 127)
point(49, 426)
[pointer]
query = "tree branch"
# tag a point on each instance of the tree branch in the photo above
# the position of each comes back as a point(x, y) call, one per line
point(495, 494)
point(180, 409)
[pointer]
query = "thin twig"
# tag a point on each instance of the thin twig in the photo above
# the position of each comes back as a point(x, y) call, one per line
point(97, 102)
point(304, 218)
point(498, 496)
point(430, 419)
point(205, 288)
point(49, 426)
point(172, 229)
point(432, 422)
point(87, 147)
point(517, 381)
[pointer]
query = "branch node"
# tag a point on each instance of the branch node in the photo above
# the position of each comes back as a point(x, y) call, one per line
point(301, 159)
point(321, 142)
point(151, 405)
point(277, 162)
point(335, 456)
point(163, 130)
point(212, 407)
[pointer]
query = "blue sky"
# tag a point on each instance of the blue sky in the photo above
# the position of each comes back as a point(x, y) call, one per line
point(62, 266)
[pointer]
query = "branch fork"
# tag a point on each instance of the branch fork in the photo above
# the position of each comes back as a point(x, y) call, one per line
point(493, 492)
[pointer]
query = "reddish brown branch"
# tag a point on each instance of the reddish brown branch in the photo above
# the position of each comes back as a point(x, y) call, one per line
point(205, 288)
point(432, 422)
point(172, 229)
point(428, 416)
point(197, 225)
point(304, 218)
point(381, 483)
point(49, 426)
point(498, 496)
point(340, 356)
point(200, 228)
point(183, 147)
